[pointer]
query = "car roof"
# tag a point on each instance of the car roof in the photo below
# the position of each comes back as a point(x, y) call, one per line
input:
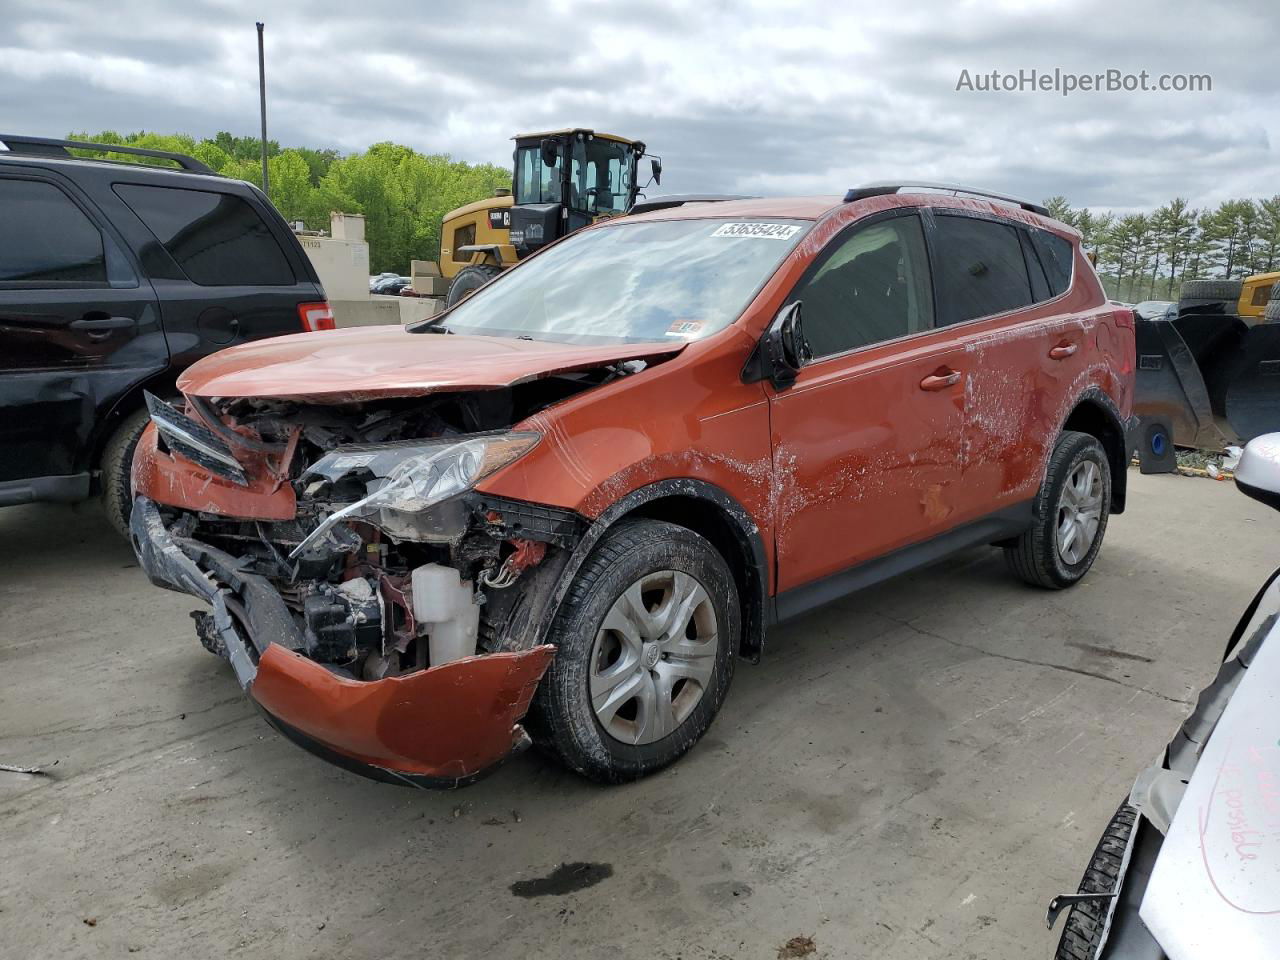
point(791, 208)
point(120, 169)
point(815, 208)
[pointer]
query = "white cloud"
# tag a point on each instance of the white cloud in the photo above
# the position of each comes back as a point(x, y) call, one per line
point(755, 97)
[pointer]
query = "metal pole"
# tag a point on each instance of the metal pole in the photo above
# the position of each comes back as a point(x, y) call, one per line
point(262, 99)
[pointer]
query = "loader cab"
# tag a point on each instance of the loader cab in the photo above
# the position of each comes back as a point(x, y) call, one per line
point(567, 179)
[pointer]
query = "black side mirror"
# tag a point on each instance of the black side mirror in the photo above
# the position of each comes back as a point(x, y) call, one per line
point(655, 170)
point(550, 151)
point(782, 351)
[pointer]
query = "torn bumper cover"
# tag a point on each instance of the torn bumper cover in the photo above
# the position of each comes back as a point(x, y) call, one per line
point(443, 726)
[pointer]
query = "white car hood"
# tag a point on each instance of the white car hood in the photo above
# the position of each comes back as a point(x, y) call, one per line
point(1215, 889)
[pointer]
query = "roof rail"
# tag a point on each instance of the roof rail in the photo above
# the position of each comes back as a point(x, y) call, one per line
point(45, 147)
point(883, 189)
point(680, 199)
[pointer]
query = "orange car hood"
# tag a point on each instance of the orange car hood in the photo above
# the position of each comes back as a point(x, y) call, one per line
point(366, 363)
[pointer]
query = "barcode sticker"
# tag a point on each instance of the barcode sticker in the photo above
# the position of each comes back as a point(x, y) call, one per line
point(765, 231)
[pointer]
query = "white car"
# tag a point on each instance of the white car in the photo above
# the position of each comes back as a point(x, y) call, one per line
point(1189, 867)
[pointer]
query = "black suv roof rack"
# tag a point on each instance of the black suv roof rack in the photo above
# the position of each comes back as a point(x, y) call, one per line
point(45, 147)
point(883, 189)
point(680, 199)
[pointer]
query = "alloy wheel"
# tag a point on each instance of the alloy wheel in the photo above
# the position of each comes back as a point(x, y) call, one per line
point(1079, 511)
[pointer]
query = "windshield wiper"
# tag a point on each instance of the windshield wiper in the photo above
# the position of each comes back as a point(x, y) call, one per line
point(429, 325)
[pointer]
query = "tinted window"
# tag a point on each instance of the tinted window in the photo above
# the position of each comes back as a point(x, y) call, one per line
point(1039, 285)
point(217, 239)
point(1056, 255)
point(45, 238)
point(980, 269)
point(874, 286)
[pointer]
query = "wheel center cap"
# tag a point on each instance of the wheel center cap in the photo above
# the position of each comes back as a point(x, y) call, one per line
point(649, 655)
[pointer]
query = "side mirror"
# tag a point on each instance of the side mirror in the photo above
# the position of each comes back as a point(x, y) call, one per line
point(783, 349)
point(655, 170)
point(550, 151)
point(1258, 473)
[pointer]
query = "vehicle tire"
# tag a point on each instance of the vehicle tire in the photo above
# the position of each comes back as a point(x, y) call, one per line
point(469, 280)
point(1083, 931)
point(116, 466)
point(1271, 312)
point(651, 624)
point(1070, 515)
point(1209, 296)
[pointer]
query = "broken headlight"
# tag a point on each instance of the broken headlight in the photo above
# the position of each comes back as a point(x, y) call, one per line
point(413, 477)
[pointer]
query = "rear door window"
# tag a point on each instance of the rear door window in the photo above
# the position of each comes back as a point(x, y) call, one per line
point(980, 267)
point(872, 286)
point(45, 239)
point(216, 238)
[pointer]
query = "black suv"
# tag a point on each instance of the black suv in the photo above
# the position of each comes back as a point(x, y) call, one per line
point(114, 277)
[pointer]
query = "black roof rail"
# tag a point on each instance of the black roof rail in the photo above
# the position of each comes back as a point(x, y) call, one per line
point(883, 189)
point(45, 147)
point(680, 199)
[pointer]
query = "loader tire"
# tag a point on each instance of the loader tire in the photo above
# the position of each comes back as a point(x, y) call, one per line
point(468, 281)
point(1271, 313)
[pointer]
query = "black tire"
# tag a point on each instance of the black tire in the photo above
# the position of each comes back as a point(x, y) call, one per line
point(1084, 923)
point(116, 466)
point(1034, 555)
point(1210, 290)
point(561, 718)
point(468, 281)
point(1271, 312)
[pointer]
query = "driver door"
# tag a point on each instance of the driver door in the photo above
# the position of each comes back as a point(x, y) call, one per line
point(867, 442)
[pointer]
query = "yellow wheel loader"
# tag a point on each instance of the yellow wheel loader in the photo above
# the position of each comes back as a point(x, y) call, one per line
point(563, 180)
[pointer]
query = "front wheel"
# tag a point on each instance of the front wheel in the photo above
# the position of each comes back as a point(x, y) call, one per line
point(646, 639)
point(1071, 513)
point(117, 466)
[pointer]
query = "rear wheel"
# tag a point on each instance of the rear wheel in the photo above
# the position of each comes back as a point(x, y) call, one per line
point(469, 280)
point(1071, 513)
point(1083, 931)
point(117, 465)
point(1271, 312)
point(646, 639)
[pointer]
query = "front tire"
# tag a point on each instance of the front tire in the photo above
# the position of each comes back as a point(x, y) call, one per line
point(1083, 932)
point(646, 638)
point(117, 467)
point(1071, 512)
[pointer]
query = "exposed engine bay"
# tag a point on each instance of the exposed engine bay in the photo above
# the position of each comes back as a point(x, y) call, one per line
point(391, 562)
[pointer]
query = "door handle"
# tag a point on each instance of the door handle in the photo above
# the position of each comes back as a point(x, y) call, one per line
point(1063, 350)
point(940, 380)
point(98, 325)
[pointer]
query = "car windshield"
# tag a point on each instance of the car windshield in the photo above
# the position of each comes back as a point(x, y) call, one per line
point(632, 282)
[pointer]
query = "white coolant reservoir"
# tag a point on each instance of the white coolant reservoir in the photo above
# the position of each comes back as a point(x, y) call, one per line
point(445, 609)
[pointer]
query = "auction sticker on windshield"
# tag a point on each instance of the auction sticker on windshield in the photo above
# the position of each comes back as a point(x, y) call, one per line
point(766, 231)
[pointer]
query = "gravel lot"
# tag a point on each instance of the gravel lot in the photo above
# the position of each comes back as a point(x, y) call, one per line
point(910, 773)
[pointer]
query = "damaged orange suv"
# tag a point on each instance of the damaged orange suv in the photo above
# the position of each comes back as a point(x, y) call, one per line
point(584, 491)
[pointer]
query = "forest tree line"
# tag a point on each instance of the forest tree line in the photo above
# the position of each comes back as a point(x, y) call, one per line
point(402, 193)
point(1146, 256)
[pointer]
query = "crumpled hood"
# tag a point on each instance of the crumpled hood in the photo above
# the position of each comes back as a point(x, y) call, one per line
point(367, 363)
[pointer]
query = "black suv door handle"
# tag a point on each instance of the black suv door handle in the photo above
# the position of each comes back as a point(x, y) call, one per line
point(99, 325)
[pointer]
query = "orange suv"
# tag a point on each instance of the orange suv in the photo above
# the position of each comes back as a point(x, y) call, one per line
point(586, 490)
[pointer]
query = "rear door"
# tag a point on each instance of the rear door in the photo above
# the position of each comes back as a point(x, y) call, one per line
point(78, 328)
point(1024, 349)
point(224, 270)
point(866, 443)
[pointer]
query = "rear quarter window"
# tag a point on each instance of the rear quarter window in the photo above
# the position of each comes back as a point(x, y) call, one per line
point(217, 239)
point(980, 269)
point(1056, 256)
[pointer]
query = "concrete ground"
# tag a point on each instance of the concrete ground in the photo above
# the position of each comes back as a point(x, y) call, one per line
point(910, 773)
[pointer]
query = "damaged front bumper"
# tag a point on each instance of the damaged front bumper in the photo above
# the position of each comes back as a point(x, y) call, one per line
point(441, 727)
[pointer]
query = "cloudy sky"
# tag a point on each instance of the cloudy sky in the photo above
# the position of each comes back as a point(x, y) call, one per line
point(737, 97)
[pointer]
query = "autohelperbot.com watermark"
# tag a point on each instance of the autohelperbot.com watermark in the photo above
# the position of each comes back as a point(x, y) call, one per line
point(1066, 82)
